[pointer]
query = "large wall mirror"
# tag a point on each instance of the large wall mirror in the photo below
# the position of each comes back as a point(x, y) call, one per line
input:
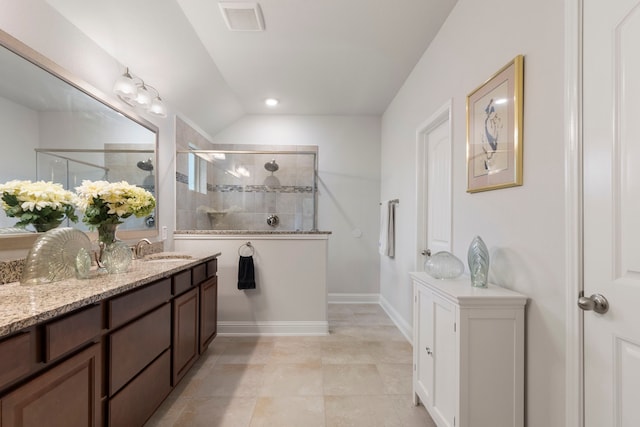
point(54, 127)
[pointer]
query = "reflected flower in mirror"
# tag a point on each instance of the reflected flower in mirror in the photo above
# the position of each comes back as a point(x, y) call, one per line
point(44, 205)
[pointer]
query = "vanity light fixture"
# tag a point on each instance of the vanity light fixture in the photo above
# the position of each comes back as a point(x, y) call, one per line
point(136, 93)
point(271, 102)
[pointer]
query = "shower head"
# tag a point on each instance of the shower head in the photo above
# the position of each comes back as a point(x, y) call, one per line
point(271, 166)
point(146, 165)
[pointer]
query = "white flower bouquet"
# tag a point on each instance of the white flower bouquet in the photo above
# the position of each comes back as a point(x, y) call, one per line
point(41, 204)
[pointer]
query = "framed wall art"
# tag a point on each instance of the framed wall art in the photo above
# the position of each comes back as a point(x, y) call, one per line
point(494, 130)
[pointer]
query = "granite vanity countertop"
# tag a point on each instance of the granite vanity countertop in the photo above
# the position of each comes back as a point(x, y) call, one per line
point(252, 232)
point(22, 306)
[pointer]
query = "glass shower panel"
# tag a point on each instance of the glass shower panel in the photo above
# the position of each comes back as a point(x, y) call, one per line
point(246, 190)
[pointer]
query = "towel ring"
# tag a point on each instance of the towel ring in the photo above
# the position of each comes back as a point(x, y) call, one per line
point(248, 249)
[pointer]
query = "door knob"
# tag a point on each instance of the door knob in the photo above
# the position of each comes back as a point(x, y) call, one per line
point(426, 252)
point(595, 302)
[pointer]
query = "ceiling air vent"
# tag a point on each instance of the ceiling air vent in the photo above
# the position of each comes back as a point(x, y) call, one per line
point(242, 16)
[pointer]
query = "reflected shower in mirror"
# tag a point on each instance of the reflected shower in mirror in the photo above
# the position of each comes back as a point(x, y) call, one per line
point(54, 127)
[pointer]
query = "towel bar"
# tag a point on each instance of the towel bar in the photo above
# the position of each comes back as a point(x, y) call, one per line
point(248, 246)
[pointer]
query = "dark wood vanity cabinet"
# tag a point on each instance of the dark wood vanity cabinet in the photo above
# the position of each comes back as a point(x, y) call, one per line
point(186, 315)
point(195, 316)
point(208, 312)
point(111, 363)
point(66, 395)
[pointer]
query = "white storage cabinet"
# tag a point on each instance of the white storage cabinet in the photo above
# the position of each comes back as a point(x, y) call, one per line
point(468, 352)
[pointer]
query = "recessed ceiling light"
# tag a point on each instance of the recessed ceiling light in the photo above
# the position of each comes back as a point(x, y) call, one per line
point(271, 102)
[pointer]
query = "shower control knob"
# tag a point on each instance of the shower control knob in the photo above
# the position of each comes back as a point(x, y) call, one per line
point(273, 220)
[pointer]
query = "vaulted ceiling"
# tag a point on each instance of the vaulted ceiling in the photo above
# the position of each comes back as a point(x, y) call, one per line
point(344, 57)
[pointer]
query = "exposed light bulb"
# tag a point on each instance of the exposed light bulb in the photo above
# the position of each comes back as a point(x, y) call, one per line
point(271, 102)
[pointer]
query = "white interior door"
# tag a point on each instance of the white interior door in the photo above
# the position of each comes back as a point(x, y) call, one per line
point(434, 185)
point(611, 132)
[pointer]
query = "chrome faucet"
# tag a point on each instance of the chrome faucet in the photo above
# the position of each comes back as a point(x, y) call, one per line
point(137, 251)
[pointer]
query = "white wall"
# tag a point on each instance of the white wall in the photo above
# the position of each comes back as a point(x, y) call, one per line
point(19, 138)
point(291, 282)
point(522, 226)
point(39, 26)
point(348, 185)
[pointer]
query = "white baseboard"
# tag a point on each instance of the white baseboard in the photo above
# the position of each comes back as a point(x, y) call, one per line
point(405, 328)
point(301, 328)
point(340, 298)
point(319, 328)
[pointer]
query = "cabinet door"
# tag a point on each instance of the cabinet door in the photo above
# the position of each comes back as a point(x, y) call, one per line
point(67, 395)
point(185, 333)
point(423, 381)
point(445, 361)
point(208, 312)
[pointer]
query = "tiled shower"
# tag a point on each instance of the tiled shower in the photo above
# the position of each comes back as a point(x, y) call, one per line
point(256, 190)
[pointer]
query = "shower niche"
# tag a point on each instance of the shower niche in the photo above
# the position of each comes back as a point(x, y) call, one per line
point(248, 190)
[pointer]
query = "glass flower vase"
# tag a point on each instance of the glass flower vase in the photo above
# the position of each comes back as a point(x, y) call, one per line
point(478, 258)
point(114, 256)
point(46, 226)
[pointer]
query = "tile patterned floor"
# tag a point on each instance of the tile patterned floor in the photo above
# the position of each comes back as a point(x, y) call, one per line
point(359, 375)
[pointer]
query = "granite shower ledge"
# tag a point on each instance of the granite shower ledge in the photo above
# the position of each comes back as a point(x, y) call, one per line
point(248, 232)
point(23, 306)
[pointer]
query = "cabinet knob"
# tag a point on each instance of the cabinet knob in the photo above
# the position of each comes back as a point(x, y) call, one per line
point(429, 352)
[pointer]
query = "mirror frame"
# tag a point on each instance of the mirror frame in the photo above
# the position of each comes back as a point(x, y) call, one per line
point(20, 241)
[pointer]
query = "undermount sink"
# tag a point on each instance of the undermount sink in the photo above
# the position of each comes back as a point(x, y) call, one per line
point(166, 256)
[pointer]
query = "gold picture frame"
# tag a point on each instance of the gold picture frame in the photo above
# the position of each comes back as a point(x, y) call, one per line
point(494, 130)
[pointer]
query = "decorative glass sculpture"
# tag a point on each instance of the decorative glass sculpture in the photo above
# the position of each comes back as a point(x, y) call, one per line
point(478, 257)
point(443, 265)
point(53, 256)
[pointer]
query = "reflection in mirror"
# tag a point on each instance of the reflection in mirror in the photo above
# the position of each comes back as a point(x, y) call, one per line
point(55, 128)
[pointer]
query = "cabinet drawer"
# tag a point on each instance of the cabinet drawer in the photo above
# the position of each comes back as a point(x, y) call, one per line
point(16, 357)
point(68, 333)
point(212, 267)
point(181, 282)
point(199, 273)
point(129, 306)
point(136, 345)
point(138, 400)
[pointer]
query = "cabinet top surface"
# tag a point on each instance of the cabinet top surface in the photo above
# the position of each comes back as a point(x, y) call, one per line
point(461, 292)
point(23, 306)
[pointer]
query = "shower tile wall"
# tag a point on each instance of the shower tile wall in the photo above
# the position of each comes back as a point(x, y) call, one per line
point(244, 202)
